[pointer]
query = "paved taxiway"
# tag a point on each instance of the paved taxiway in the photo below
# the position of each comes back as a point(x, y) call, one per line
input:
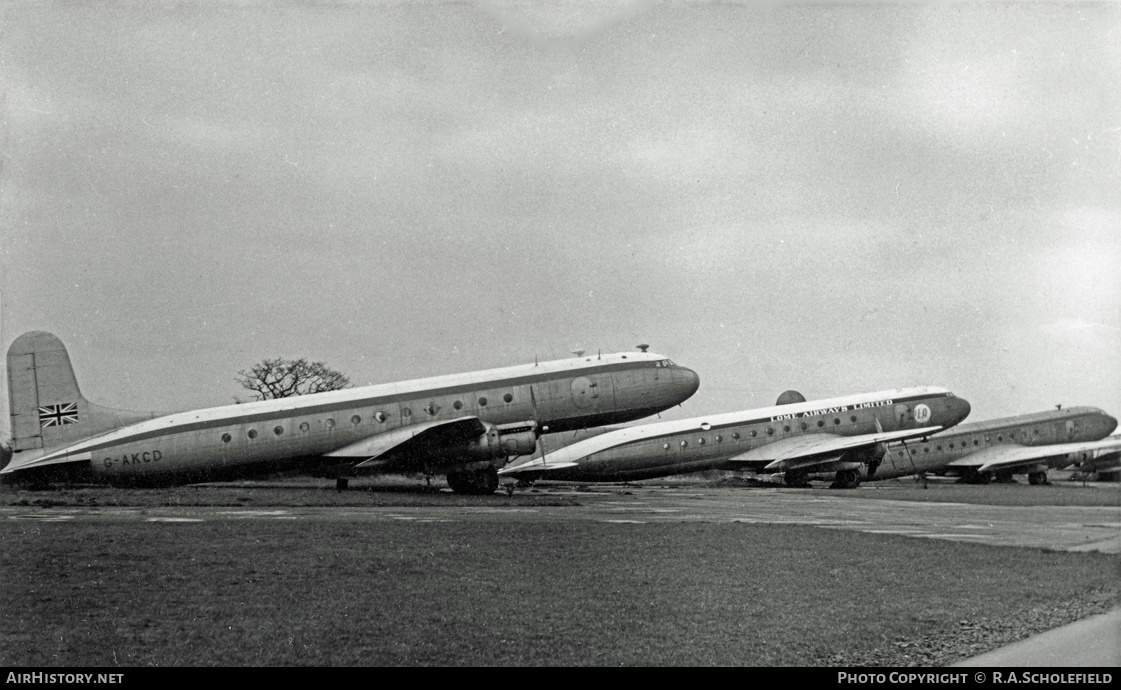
point(1095, 641)
point(1071, 528)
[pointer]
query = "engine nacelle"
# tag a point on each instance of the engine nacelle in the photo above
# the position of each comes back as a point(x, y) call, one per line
point(503, 441)
point(866, 456)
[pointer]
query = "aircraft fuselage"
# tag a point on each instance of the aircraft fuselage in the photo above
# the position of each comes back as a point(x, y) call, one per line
point(272, 435)
point(704, 443)
point(933, 454)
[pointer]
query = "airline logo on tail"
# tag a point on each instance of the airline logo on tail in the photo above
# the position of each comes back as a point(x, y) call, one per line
point(57, 415)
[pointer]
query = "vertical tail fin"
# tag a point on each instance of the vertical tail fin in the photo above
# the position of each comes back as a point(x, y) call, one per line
point(47, 408)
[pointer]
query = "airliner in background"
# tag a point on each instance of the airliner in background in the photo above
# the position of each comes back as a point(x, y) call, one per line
point(844, 436)
point(996, 449)
point(465, 426)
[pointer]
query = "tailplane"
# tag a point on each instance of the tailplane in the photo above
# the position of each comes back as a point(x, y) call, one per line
point(47, 408)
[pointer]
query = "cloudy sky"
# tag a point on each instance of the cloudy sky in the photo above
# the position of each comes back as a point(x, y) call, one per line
point(831, 198)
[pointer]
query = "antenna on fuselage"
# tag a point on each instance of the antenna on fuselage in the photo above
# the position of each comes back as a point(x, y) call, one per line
point(579, 352)
point(1059, 406)
point(643, 347)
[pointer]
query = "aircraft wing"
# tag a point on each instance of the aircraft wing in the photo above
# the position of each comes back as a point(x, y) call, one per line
point(1013, 456)
point(427, 438)
point(536, 465)
point(809, 450)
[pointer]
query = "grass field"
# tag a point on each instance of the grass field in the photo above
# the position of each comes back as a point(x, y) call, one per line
point(258, 592)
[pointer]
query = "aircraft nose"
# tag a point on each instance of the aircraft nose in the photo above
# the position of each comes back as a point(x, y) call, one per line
point(1110, 423)
point(689, 382)
point(960, 408)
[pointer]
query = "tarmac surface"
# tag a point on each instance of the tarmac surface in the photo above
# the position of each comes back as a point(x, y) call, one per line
point(1067, 528)
point(1095, 641)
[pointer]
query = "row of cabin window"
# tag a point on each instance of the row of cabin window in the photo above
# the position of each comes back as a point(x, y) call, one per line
point(431, 409)
point(786, 428)
point(753, 433)
point(977, 442)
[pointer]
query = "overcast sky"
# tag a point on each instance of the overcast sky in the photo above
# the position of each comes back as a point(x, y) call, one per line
point(831, 198)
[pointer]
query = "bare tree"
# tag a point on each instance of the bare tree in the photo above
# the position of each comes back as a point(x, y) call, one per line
point(283, 378)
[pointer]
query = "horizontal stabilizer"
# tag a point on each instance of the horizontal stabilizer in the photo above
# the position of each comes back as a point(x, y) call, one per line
point(808, 450)
point(19, 464)
point(1013, 456)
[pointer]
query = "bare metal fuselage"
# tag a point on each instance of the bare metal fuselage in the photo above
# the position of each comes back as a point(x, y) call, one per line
point(1053, 427)
point(712, 442)
point(297, 433)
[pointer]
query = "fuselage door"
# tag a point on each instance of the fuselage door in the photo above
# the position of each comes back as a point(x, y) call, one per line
point(902, 416)
point(584, 392)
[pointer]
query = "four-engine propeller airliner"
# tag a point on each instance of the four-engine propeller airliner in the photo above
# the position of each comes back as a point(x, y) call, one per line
point(841, 435)
point(998, 448)
point(462, 425)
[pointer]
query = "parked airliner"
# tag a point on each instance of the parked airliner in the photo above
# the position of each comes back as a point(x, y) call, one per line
point(998, 448)
point(837, 435)
point(462, 425)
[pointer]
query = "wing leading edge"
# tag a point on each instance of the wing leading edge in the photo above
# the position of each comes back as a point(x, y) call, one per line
point(1013, 456)
point(812, 450)
point(412, 441)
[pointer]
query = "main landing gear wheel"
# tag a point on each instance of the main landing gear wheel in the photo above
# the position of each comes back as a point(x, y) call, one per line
point(1037, 478)
point(846, 479)
point(474, 482)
